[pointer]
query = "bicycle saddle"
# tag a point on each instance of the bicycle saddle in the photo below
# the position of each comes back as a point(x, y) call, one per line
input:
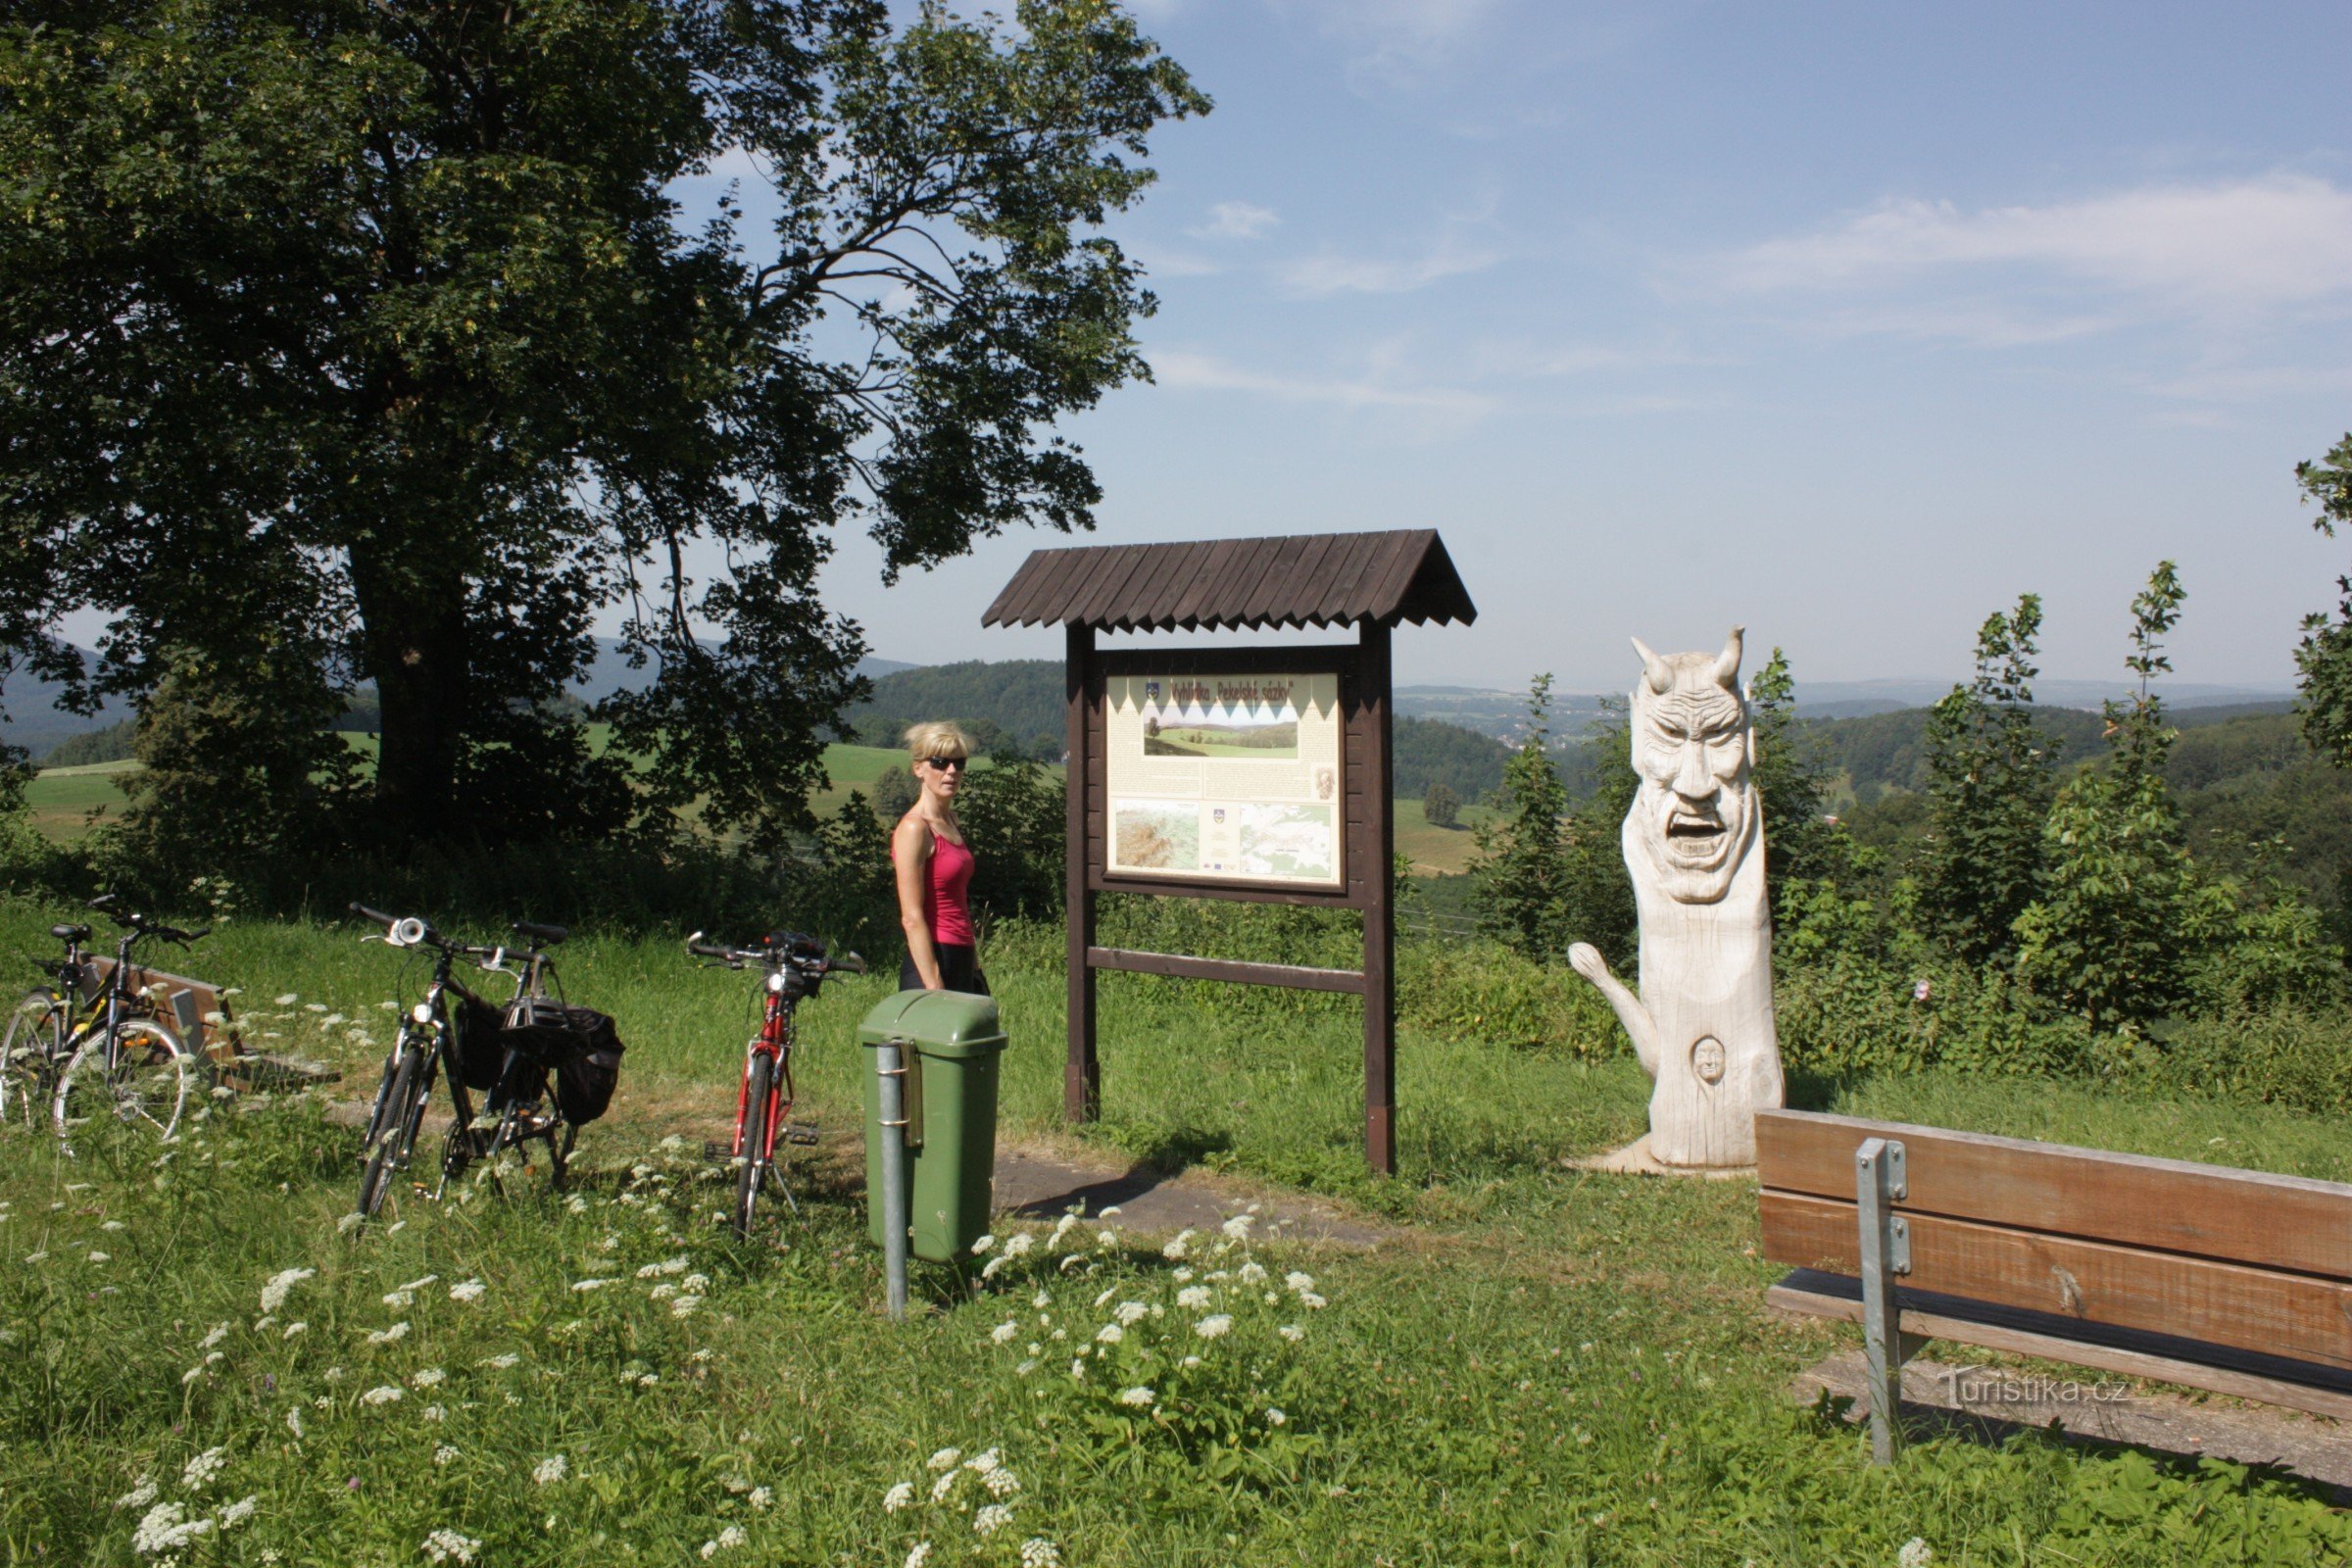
point(70, 933)
point(546, 936)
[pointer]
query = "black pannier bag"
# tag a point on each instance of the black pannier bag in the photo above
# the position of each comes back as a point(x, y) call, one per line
point(481, 1042)
point(579, 1044)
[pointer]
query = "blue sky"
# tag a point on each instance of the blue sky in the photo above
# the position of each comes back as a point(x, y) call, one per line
point(1846, 322)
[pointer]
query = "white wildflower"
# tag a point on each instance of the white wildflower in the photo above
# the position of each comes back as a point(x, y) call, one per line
point(401, 1296)
point(550, 1470)
point(1915, 1553)
point(445, 1454)
point(289, 999)
point(1215, 1327)
point(1251, 1274)
point(1193, 1298)
point(988, 1270)
point(398, 1331)
point(1063, 1227)
point(991, 1519)
point(435, 1412)
point(1025, 1368)
point(203, 1468)
point(1106, 1238)
point(684, 1305)
point(983, 1245)
point(920, 1555)
point(468, 1291)
point(1189, 1362)
point(596, 1283)
point(1312, 1301)
point(351, 1222)
point(1292, 1332)
point(1182, 1276)
point(942, 1486)
point(1039, 1553)
point(388, 1394)
point(426, 1376)
point(295, 1328)
point(265, 1321)
point(985, 1464)
point(1006, 1331)
point(1130, 1312)
point(1238, 1227)
point(447, 1545)
point(113, 1225)
point(1109, 1334)
point(1001, 1483)
point(695, 1284)
point(1078, 1368)
point(1178, 1246)
point(237, 1512)
point(1275, 1417)
point(502, 1361)
point(1107, 1294)
point(1019, 1244)
point(102, 1257)
point(761, 1498)
point(944, 1459)
point(138, 1496)
point(1138, 1397)
point(898, 1496)
point(662, 1291)
point(166, 1529)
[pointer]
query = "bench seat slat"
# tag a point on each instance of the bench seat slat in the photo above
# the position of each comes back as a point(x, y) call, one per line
point(2239, 1216)
point(2291, 1315)
point(2245, 1375)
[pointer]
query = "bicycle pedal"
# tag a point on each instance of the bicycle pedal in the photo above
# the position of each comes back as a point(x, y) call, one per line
point(801, 1133)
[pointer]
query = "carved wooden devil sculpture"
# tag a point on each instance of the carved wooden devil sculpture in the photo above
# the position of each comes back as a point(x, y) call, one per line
point(1694, 845)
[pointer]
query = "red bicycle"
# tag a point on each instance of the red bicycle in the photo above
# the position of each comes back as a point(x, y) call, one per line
point(796, 966)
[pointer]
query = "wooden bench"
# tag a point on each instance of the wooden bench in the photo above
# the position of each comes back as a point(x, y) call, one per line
point(2228, 1280)
point(201, 1014)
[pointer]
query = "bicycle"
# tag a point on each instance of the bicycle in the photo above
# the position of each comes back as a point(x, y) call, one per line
point(35, 1050)
point(431, 1035)
point(796, 966)
point(119, 1060)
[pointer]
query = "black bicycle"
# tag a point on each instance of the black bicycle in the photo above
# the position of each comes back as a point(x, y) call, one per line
point(795, 967)
point(95, 1049)
point(454, 1030)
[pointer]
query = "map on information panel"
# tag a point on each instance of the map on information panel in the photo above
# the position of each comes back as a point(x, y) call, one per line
point(1225, 777)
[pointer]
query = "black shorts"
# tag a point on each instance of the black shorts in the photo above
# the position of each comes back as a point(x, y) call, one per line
point(959, 969)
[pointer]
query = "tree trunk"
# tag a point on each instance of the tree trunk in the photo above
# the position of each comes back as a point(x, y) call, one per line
point(414, 633)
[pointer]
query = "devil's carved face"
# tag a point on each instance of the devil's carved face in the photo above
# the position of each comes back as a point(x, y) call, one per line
point(1695, 816)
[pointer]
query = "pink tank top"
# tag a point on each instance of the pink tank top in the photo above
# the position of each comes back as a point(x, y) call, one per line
point(947, 901)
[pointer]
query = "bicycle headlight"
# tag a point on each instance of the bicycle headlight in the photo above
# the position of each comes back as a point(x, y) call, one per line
point(775, 981)
point(422, 1012)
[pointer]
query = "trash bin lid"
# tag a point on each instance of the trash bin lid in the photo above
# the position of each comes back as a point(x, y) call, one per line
point(938, 1023)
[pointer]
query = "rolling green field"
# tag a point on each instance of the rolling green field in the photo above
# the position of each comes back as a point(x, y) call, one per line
point(1538, 1365)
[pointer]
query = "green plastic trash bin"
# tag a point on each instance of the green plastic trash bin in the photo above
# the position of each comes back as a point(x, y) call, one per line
point(951, 1042)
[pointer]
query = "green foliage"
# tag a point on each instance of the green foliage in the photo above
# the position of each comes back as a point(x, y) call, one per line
point(1599, 896)
point(1992, 782)
point(1430, 751)
point(2141, 1509)
point(2122, 914)
point(1521, 865)
point(895, 793)
point(2324, 656)
point(109, 745)
point(1015, 818)
point(1023, 698)
point(1490, 993)
point(1439, 806)
point(397, 352)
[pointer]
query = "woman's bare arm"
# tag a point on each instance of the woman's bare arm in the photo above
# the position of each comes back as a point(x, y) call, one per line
point(912, 855)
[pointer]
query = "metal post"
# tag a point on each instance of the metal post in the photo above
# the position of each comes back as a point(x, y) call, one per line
point(890, 1058)
point(1879, 1181)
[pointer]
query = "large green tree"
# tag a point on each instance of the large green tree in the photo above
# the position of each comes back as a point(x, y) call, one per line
point(2324, 654)
point(1991, 779)
point(1519, 871)
point(371, 334)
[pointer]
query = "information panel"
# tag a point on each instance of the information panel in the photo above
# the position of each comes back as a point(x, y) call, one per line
point(1225, 777)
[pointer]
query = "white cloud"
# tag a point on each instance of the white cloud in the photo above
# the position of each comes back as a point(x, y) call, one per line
point(1396, 40)
point(1204, 373)
point(1236, 221)
point(2283, 243)
point(1327, 272)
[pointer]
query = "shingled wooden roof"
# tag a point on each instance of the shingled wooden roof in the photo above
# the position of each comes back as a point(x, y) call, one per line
point(1310, 579)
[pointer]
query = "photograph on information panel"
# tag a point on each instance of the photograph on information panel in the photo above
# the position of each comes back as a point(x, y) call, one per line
point(1233, 777)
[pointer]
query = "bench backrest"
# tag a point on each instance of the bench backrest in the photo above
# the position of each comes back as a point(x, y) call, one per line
point(189, 1005)
point(2232, 1257)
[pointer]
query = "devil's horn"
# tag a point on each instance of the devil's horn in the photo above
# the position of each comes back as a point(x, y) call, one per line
point(1653, 669)
point(1727, 662)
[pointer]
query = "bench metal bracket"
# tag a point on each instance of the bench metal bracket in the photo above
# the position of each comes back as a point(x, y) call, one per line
point(1881, 1181)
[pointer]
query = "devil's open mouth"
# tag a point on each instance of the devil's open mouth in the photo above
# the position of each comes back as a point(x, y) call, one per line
point(1695, 830)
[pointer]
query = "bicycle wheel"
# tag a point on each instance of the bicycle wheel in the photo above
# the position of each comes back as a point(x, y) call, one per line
point(145, 1089)
point(29, 1056)
point(388, 1143)
point(758, 1074)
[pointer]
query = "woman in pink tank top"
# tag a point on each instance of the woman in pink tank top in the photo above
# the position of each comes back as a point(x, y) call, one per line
point(934, 869)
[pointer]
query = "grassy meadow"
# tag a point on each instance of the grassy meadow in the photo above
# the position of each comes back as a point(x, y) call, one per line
point(202, 1361)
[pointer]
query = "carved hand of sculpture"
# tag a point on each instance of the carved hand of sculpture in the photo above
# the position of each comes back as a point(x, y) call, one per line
point(1587, 960)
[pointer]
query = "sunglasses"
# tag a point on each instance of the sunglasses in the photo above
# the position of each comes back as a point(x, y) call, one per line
point(944, 763)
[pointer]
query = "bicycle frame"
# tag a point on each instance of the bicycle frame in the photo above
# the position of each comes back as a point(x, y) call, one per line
point(775, 1041)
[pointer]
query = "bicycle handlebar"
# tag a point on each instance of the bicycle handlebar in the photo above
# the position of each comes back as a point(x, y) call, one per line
point(810, 958)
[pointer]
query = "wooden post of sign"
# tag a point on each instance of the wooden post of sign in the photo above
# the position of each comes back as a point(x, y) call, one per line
point(1380, 907)
point(1082, 1075)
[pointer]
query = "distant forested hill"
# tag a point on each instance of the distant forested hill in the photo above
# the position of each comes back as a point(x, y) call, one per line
point(1015, 699)
point(1888, 751)
point(1430, 751)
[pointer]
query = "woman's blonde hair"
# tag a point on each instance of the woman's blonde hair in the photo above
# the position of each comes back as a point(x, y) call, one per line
point(938, 737)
